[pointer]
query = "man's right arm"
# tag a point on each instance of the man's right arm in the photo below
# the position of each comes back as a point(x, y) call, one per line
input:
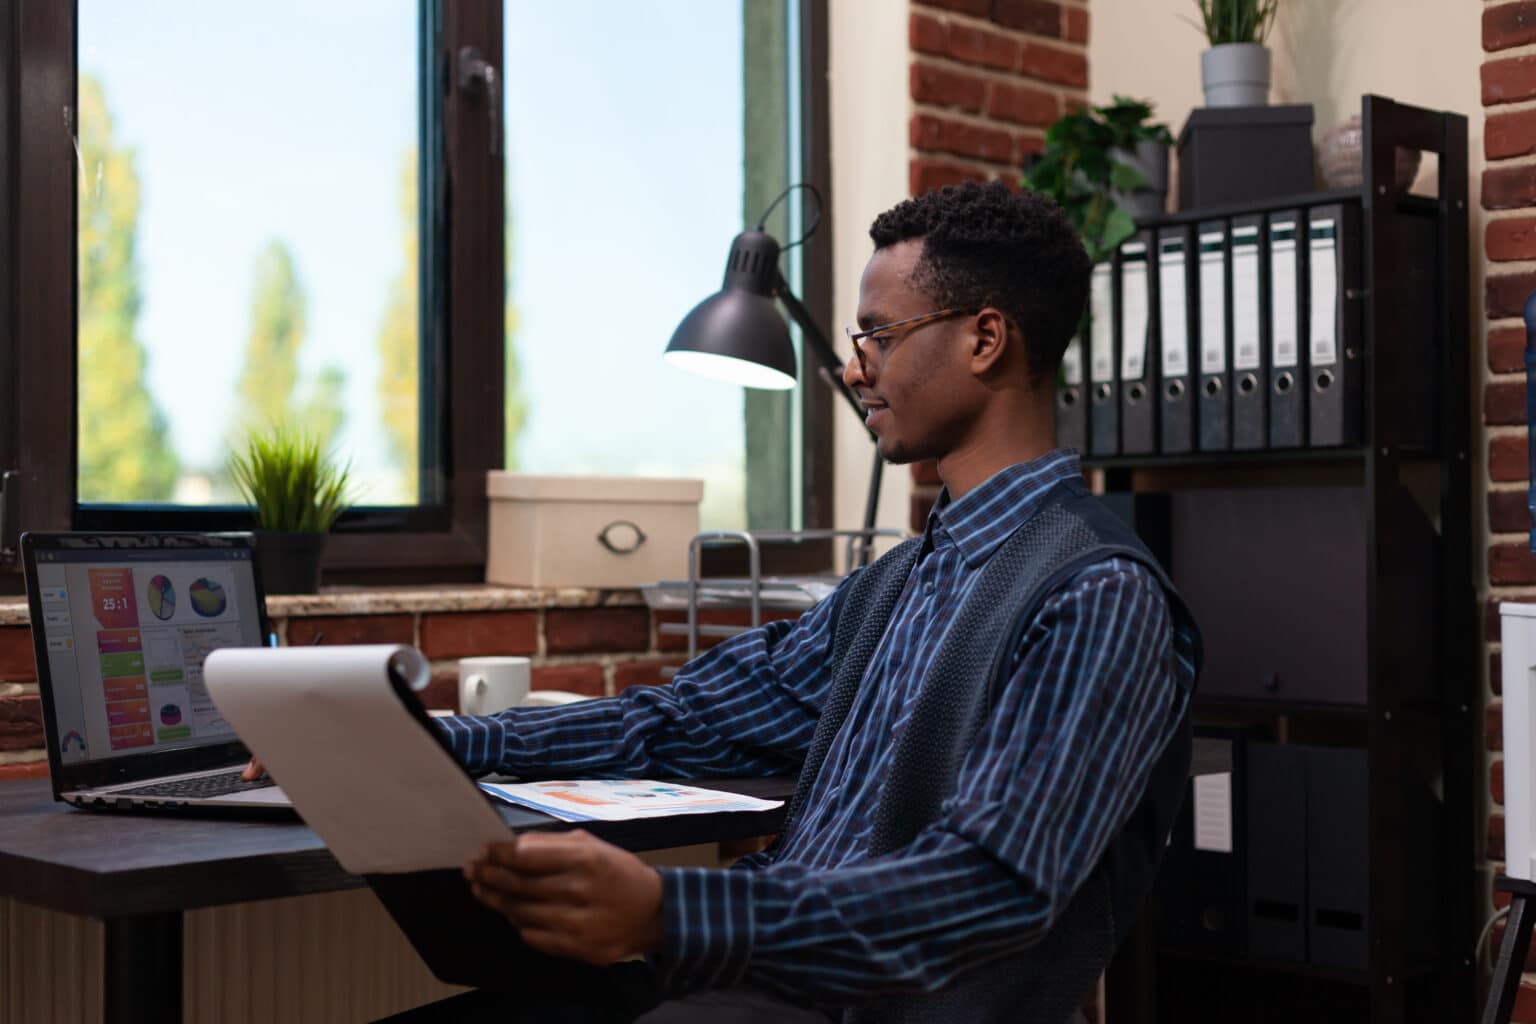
point(746, 707)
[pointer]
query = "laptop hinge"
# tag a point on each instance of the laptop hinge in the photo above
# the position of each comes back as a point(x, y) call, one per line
point(10, 518)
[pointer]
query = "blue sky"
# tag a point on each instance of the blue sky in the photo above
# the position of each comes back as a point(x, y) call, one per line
point(624, 161)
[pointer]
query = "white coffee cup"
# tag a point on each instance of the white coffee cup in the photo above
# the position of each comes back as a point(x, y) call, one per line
point(488, 685)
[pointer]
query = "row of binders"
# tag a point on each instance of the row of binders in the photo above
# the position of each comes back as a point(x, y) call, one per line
point(1242, 334)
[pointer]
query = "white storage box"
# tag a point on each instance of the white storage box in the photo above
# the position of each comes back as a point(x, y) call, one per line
point(589, 531)
point(1518, 640)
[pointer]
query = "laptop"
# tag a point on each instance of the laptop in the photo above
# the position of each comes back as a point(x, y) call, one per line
point(121, 623)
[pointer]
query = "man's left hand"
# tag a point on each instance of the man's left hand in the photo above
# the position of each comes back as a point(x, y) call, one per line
point(571, 894)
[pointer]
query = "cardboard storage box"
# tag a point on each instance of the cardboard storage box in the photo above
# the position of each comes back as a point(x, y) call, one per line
point(589, 531)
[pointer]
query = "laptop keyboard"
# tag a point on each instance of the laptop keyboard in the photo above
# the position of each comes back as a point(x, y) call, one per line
point(204, 786)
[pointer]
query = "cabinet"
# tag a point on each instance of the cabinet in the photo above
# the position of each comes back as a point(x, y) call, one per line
point(1335, 589)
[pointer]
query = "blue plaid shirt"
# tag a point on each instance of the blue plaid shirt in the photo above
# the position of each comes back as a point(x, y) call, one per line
point(1101, 680)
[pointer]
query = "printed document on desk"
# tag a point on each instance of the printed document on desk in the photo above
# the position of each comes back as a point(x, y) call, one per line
point(338, 727)
point(622, 799)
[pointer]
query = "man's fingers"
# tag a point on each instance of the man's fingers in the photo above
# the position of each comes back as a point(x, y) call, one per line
point(253, 771)
point(549, 853)
point(551, 887)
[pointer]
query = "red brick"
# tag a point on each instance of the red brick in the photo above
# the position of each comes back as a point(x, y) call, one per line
point(976, 8)
point(1074, 24)
point(1024, 146)
point(1023, 105)
point(1509, 188)
point(1493, 729)
point(1511, 565)
point(1496, 781)
point(1506, 25)
point(590, 630)
point(977, 46)
point(1504, 402)
point(584, 679)
point(30, 770)
point(641, 673)
point(1053, 65)
point(926, 473)
point(922, 503)
point(442, 692)
point(465, 634)
point(1506, 349)
point(21, 723)
point(927, 175)
point(17, 662)
point(710, 617)
point(352, 629)
point(1040, 17)
point(944, 87)
point(1507, 293)
point(1506, 459)
point(1512, 239)
point(1491, 623)
point(1495, 837)
point(930, 132)
point(925, 34)
point(1508, 512)
point(1507, 135)
point(1505, 81)
point(1496, 673)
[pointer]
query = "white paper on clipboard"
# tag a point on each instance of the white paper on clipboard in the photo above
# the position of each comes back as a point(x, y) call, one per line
point(360, 769)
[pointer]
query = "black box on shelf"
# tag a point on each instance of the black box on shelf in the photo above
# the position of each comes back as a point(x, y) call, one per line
point(1242, 154)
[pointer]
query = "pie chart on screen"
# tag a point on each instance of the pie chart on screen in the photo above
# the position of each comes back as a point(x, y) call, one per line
point(207, 597)
point(162, 597)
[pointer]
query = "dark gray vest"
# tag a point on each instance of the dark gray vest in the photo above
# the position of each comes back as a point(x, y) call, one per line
point(1046, 982)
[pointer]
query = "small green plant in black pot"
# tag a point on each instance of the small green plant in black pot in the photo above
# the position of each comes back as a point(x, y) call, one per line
point(298, 494)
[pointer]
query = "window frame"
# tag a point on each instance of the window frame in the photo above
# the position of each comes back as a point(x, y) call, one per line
point(462, 346)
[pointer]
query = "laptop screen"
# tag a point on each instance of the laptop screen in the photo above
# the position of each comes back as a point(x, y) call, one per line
point(126, 632)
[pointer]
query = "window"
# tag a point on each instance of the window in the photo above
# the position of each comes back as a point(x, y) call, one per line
point(298, 215)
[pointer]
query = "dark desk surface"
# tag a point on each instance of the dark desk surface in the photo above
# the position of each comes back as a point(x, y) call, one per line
point(106, 865)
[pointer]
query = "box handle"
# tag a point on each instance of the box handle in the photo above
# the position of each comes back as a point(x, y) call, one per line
point(622, 537)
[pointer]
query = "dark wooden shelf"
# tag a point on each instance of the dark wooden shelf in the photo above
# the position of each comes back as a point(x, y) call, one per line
point(1235, 459)
point(1301, 970)
point(1276, 707)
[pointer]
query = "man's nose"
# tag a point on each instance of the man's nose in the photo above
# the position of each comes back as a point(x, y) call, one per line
point(856, 370)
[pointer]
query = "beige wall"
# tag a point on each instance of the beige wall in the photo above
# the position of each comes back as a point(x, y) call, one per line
point(869, 111)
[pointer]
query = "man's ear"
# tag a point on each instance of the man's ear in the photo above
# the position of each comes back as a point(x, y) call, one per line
point(991, 351)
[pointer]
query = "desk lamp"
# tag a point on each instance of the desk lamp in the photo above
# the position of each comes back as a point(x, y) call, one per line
point(738, 334)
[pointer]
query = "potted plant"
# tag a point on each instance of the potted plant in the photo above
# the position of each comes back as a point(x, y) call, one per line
point(1235, 71)
point(1104, 166)
point(297, 494)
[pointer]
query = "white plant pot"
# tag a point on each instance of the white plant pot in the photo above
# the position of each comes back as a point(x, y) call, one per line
point(1235, 75)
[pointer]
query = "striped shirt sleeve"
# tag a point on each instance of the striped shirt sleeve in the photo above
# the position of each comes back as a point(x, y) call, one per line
point(1098, 691)
point(746, 707)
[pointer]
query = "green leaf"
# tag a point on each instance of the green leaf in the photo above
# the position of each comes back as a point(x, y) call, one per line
point(1125, 178)
point(290, 482)
point(1118, 226)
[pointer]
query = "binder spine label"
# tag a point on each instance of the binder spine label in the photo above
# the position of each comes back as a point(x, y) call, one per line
point(1172, 314)
point(1072, 363)
point(1101, 308)
point(1213, 303)
point(1282, 279)
point(1324, 317)
point(1245, 299)
point(1133, 311)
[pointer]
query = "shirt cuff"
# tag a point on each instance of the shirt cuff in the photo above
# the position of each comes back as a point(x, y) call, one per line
point(706, 916)
point(476, 740)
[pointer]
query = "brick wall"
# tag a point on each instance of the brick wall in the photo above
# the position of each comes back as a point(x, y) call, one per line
point(987, 78)
point(594, 651)
point(1508, 198)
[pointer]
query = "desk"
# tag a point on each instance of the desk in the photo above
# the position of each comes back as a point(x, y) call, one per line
point(139, 873)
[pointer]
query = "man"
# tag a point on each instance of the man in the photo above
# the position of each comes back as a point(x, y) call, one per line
point(975, 718)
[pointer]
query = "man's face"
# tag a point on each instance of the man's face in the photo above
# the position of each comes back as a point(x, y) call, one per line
point(915, 382)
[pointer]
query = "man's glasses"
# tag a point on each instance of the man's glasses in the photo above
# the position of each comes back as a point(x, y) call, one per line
point(884, 334)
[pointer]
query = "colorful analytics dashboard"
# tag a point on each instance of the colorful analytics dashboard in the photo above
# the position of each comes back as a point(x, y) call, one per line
point(126, 645)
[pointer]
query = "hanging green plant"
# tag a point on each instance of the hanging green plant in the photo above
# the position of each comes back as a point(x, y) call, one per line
point(1080, 170)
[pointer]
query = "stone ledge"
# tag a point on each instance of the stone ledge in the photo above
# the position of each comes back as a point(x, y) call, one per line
point(394, 600)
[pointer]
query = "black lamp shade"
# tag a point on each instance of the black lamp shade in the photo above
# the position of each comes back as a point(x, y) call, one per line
point(738, 334)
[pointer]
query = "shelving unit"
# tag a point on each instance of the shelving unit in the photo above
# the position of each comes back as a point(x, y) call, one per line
point(1412, 475)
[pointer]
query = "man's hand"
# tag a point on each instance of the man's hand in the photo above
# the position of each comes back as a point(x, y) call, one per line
point(572, 895)
point(253, 771)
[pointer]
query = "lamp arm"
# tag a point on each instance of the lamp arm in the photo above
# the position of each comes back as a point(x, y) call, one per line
point(823, 350)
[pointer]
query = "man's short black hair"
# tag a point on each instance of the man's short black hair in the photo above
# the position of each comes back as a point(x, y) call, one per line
point(985, 245)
